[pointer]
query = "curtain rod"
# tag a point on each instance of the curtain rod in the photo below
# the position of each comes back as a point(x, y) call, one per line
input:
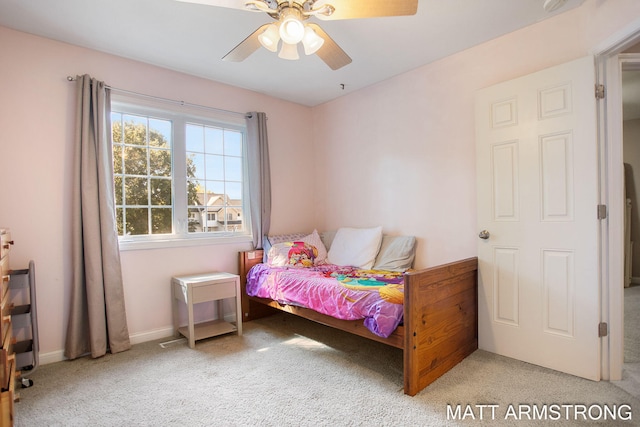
point(171, 101)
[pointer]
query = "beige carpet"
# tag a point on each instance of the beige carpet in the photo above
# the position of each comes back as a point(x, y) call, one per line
point(286, 371)
point(632, 324)
point(631, 369)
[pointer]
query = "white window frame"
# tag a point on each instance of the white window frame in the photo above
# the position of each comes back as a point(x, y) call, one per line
point(180, 115)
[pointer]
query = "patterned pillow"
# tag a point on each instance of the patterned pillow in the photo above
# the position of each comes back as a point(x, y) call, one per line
point(312, 239)
point(271, 240)
point(283, 238)
point(293, 254)
point(302, 254)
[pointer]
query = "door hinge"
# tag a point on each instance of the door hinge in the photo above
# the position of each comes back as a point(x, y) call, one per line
point(602, 211)
point(599, 91)
point(603, 329)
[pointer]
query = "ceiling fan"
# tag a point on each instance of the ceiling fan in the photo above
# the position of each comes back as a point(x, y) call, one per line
point(291, 27)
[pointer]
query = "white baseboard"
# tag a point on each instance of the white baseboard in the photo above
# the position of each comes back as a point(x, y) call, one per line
point(151, 335)
point(58, 355)
point(157, 334)
point(52, 357)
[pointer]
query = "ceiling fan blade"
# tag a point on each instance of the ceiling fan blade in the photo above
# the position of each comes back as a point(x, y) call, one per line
point(246, 47)
point(352, 9)
point(330, 52)
point(232, 4)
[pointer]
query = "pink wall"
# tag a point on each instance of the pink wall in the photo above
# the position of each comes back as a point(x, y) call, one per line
point(37, 107)
point(401, 153)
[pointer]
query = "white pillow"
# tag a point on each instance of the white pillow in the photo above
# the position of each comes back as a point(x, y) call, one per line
point(357, 247)
point(314, 240)
point(327, 238)
point(396, 253)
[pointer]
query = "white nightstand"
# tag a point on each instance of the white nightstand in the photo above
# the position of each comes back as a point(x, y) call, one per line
point(197, 288)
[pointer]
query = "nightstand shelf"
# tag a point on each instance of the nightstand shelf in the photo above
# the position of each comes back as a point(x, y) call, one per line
point(209, 329)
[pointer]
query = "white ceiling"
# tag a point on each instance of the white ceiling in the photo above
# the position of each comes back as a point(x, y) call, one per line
point(192, 38)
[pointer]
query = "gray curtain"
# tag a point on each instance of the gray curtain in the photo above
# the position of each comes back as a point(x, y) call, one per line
point(97, 318)
point(259, 176)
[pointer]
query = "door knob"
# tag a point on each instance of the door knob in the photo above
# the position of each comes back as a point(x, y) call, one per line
point(484, 234)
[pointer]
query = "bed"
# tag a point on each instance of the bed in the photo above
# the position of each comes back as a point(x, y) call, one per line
point(439, 321)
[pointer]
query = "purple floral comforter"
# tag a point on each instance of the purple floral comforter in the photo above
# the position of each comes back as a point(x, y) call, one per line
point(343, 292)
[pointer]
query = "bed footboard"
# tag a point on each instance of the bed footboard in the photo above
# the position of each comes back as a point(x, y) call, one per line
point(440, 319)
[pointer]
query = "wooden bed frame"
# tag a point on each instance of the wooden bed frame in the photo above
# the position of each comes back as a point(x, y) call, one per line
point(440, 318)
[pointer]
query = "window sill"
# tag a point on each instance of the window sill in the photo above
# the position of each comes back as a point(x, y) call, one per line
point(178, 242)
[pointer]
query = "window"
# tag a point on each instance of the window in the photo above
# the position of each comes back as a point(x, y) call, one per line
point(214, 173)
point(177, 175)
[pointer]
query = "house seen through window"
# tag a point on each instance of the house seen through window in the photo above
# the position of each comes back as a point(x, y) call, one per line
point(177, 175)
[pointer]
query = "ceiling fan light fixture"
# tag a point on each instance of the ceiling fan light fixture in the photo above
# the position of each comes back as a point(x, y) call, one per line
point(311, 41)
point(269, 38)
point(291, 26)
point(289, 51)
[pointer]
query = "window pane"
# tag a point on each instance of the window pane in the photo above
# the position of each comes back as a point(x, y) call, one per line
point(160, 163)
point(135, 160)
point(116, 127)
point(120, 221)
point(208, 198)
point(231, 220)
point(234, 219)
point(137, 220)
point(192, 192)
point(135, 130)
point(191, 167)
point(161, 221)
point(195, 138)
point(117, 159)
point(136, 191)
point(196, 219)
point(214, 140)
point(117, 185)
point(160, 133)
point(215, 187)
point(234, 191)
point(215, 168)
point(197, 161)
point(160, 192)
point(232, 143)
point(233, 169)
point(213, 218)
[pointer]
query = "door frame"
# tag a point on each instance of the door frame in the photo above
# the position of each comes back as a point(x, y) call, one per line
point(609, 73)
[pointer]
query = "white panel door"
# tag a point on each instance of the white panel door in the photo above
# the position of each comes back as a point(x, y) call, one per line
point(537, 171)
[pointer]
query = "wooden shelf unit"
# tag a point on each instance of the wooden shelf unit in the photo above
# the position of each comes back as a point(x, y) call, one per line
point(24, 319)
point(7, 356)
